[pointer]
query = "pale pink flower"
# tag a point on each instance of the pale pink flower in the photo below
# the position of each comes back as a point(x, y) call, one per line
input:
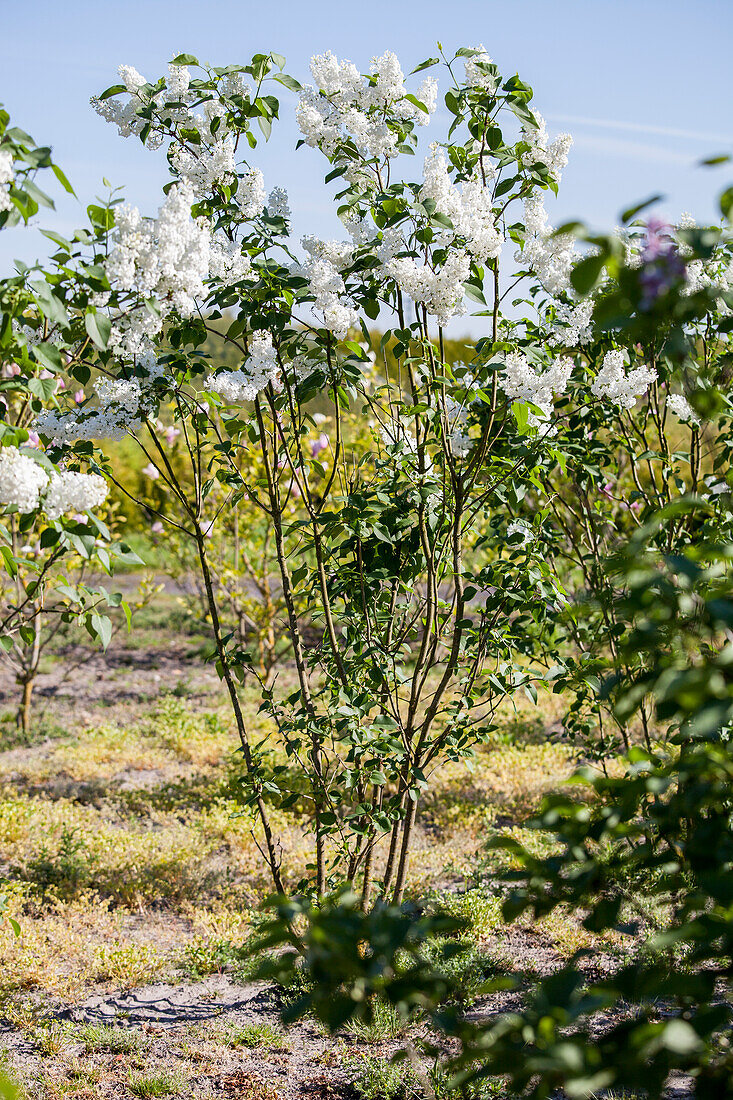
point(151, 471)
point(156, 528)
point(319, 444)
point(79, 396)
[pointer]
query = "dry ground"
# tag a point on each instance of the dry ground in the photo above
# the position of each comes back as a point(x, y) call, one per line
point(131, 868)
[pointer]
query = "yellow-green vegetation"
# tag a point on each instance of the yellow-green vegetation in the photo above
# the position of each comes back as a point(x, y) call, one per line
point(130, 858)
point(103, 824)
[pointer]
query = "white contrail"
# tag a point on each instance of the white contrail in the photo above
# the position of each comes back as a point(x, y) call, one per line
point(641, 127)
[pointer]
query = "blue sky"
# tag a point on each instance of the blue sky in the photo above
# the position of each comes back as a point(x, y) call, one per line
point(643, 86)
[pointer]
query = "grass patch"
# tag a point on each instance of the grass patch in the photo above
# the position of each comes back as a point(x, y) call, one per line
point(253, 1036)
point(155, 1084)
point(387, 1023)
point(106, 1039)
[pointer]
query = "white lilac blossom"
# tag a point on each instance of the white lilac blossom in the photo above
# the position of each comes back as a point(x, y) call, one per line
point(621, 386)
point(361, 230)
point(22, 480)
point(227, 261)
point(259, 370)
point(552, 154)
point(521, 382)
point(346, 105)
point(205, 168)
point(475, 76)
point(682, 409)
point(337, 253)
point(550, 258)
point(68, 427)
point(251, 194)
point(573, 323)
point(73, 492)
point(390, 244)
point(459, 440)
point(277, 203)
point(165, 259)
point(302, 367)
point(394, 434)
point(179, 79)
point(470, 209)
point(328, 290)
point(441, 290)
point(122, 405)
point(7, 175)
point(174, 100)
point(123, 114)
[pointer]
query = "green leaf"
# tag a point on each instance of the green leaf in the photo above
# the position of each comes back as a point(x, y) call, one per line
point(116, 89)
point(185, 59)
point(99, 327)
point(101, 627)
point(288, 82)
point(49, 304)
point(475, 293)
point(586, 274)
point(44, 388)
point(49, 356)
point(726, 203)
point(425, 65)
point(630, 214)
point(62, 179)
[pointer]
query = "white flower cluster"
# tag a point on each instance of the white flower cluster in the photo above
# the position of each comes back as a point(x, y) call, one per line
point(121, 405)
point(552, 154)
point(123, 114)
point(227, 261)
point(251, 194)
point(573, 324)
point(337, 253)
point(475, 77)
point(302, 367)
point(21, 480)
point(25, 485)
point(346, 105)
point(69, 491)
point(550, 258)
point(394, 434)
point(470, 209)
point(441, 291)
point(618, 385)
point(166, 259)
point(701, 274)
point(208, 166)
point(521, 382)
point(259, 370)
point(329, 291)
point(202, 164)
point(459, 440)
point(682, 409)
point(7, 175)
point(277, 203)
